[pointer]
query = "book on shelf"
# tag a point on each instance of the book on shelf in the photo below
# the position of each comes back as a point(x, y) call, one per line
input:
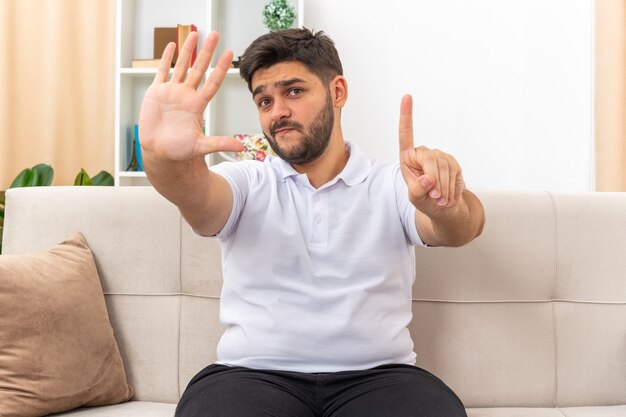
point(182, 32)
point(163, 36)
point(146, 63)
point(138, 148)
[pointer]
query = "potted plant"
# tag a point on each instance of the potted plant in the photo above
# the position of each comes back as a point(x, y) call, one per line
point(278, 14)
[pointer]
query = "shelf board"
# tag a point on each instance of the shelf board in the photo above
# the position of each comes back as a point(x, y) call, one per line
point(153, 71)
point(139, 71)
point(132, 174)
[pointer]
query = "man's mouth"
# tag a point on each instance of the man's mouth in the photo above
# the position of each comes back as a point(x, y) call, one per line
point(284, 130)
point(284, 127)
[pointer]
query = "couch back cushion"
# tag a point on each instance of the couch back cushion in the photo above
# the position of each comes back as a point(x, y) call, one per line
point(532, 313)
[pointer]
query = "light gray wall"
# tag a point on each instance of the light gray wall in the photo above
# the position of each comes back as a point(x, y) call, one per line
point(504, 85)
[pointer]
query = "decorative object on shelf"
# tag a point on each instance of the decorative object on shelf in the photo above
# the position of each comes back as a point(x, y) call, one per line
point(136, 161)
point(134, 164)
point(162, 37)
point(278, 14)
point(145, 63)
point(138, 147)
point(182, 31)
point(235, 64)
point(256, 148)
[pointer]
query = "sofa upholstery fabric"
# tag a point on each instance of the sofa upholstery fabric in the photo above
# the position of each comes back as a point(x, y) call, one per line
point(527, 320)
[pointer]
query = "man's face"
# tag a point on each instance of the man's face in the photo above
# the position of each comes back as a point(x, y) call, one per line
point(295, 110)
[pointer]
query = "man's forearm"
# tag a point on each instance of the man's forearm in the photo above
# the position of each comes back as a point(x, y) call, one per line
point(179, 182)
point(457, 226)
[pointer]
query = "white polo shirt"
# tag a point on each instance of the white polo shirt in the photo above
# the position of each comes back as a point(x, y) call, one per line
point(317, 280)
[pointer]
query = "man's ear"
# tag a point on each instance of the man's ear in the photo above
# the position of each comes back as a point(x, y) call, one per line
point(339, 91)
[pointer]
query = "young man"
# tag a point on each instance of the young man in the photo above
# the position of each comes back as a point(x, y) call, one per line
point(317, 244)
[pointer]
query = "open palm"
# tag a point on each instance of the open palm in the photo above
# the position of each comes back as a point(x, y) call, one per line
point(171, 116)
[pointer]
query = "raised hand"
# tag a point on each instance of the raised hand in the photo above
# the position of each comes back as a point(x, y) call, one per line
point(171, 116)
point(433, 177)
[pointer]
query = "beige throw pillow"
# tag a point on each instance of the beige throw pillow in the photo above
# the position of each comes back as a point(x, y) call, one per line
point(57, 350)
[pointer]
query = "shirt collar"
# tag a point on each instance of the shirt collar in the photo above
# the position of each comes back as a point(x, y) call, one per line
point(356, 171)
point(358, 167)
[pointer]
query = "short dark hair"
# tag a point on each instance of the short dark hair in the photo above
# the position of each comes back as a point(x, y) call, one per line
point(315, 50)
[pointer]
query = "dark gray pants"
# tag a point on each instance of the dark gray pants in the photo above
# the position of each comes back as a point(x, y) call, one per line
point(385, 391)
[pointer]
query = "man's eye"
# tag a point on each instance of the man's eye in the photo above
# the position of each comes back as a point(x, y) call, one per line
point(264, 102)
point(295, 91)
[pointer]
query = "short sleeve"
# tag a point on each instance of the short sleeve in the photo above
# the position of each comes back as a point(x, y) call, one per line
point(236, 175)
point(405, 208)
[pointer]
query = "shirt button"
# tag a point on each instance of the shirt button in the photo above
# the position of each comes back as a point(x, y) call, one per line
point(318, 220)
point(316, 198)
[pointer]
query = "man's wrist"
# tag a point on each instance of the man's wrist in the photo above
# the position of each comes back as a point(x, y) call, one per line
point(458, 225)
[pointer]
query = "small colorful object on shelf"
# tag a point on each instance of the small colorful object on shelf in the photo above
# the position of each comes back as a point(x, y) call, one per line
point(256, 148)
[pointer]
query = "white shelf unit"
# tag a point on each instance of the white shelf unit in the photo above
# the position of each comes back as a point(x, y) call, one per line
point(230, 112)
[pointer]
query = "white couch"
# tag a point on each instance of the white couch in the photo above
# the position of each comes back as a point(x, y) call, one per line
point(529, 320)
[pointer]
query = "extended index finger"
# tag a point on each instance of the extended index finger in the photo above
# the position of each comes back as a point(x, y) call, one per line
point(406, 123)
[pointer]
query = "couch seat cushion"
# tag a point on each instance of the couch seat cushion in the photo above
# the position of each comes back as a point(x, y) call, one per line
point(608, 411)
point(153, 409)
point(600, 411)
point(129, 409)
point(513, 412)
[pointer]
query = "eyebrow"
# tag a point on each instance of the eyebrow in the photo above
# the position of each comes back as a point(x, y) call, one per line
point(278, 84)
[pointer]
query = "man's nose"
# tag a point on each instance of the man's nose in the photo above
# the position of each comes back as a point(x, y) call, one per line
point(280, 110)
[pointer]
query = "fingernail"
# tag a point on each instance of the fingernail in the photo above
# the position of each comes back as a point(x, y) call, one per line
point(434, 194)
point(442, 202)
point(425, 182)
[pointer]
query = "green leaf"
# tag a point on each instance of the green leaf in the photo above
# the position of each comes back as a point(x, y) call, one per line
point(103, 178)
point(2, 202)
point(40, 174)
point(45, 172)
point(34, 179)
point(22, 179)
point(83, 178)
